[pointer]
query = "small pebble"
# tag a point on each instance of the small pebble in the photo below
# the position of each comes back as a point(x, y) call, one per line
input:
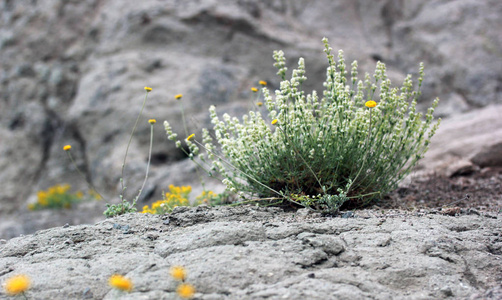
point(447, 291)
point(87, 294)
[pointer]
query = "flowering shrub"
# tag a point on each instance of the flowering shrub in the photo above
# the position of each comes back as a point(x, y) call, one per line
point(178, 196)
point(58, 196)
point(207, 197)
point(354, 142)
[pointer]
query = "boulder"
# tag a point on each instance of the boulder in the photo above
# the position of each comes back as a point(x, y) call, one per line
point(265, 253)
point(490, 155)
point(473, 138)
point(73, 72)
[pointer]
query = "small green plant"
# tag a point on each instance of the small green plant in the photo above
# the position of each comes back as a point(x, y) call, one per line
point(178, 196)
point(124, 206)
point(353, 143)
point(59, 196)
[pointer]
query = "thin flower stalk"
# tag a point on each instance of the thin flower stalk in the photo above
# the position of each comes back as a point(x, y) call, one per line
point(151, 121)
point(148, 90)
point(67, 149)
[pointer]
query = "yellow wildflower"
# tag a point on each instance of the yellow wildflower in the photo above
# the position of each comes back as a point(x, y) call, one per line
point(185, 290)
point(148, 89)
point(262, 83)
point(191, 136)
point(178, 273)
point(67, 147)
point(254, 89)
point(145, 209)
point(120, 282)
point(186, 189)
point(174, 189)
point(206, 196)
point(61, 189)
point(178, 97)
point(156, 204)
point(370, 104)
point(42, 198)
point(274, 121)
point(95, 194)
point(17, 284)
point(259, 104)
point(152, 121)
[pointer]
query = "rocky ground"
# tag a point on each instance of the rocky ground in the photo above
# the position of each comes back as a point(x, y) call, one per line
point(434, 244)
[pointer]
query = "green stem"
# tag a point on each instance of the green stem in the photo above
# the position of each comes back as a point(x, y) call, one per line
point(248, 176)
point(364, 157)
point(359, 196)
point(148, 164)
point(254, 200)
point(82, 175)
point(308, 166)
point(128, 144)
point(186, 134)
point(183, 117)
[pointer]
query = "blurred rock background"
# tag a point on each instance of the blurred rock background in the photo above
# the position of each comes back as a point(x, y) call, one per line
point(73, 72)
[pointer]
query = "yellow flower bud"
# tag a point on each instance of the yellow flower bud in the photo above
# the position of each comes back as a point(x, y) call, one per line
point(185, 290)
point(370, 104)
point(120, 282)
point(178, 273)
point(17, 284)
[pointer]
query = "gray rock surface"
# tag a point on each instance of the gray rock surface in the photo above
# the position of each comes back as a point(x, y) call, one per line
point(266, 253)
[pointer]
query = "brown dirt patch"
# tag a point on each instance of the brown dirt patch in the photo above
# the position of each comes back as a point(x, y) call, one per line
point(480, 190)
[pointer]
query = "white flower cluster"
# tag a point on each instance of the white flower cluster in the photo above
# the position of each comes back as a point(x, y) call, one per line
point(169, 131)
